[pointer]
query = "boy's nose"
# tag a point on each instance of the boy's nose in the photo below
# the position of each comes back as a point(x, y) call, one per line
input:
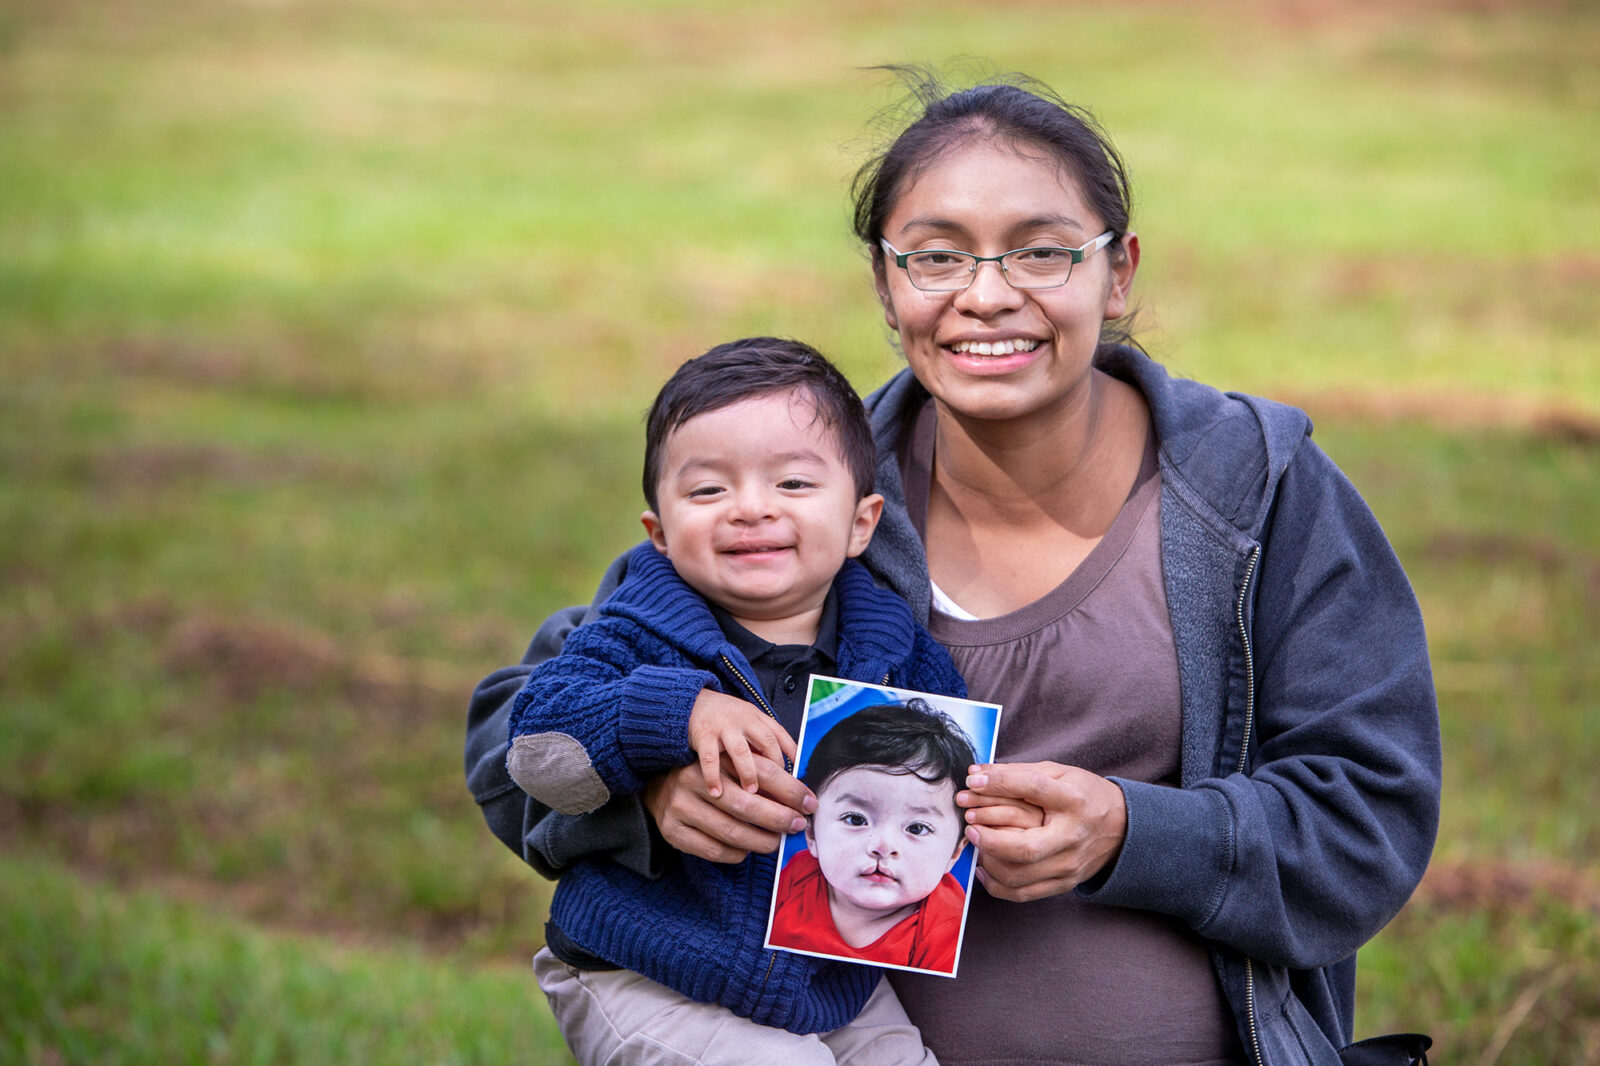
point(752, 506)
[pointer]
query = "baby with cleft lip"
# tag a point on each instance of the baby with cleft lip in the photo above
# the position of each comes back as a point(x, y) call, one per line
point(874, 882)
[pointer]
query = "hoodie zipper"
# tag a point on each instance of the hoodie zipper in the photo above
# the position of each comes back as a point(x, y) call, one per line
point(1244, 757)
point(1249, 659)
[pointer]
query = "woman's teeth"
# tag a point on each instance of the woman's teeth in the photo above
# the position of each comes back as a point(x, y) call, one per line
point(993, 347)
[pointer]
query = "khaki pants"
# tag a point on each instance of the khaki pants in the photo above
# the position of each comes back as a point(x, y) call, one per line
point(617, 1018)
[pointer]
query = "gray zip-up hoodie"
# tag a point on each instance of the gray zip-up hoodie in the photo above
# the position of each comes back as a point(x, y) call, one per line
point(1310, 751)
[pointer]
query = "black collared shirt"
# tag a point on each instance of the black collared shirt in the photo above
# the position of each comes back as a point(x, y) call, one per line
point(782, 670)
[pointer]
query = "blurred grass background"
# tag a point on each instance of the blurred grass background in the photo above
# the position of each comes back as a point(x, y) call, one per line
point(326, 329)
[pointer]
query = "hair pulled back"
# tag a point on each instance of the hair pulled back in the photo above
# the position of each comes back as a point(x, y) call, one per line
point(1009, 108)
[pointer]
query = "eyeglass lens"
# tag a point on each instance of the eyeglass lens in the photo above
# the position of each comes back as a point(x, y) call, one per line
point(1029, 268)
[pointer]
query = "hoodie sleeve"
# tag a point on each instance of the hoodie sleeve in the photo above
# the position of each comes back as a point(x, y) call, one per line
point(548, 841)
point(1313, 846)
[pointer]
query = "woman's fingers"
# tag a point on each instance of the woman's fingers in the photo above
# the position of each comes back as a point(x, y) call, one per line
point(1083, 823)
point(1027, 893)
point(1014, 814)
point(727, 827)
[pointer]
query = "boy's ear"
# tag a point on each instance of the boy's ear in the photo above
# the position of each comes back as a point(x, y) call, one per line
point(652, 526)
point(961, 845)
point(868, 511)
point(811, 837)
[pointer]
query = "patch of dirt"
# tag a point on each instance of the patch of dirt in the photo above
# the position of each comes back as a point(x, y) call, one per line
point(306, 369)
point(1500, 886)
point(1464, 411)
point(1493, 549)
point(245, 657)
point(156, 467)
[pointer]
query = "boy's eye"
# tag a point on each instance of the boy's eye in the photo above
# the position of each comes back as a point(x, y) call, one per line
point(704, 490)
point(794, 483)
point(920, 829)
point(852, 818)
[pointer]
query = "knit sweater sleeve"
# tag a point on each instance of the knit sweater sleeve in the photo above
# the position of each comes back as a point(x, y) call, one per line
point(602, 718)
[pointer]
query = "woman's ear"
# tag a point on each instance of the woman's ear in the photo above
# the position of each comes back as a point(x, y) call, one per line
point(1123, 267)
point(880, 280)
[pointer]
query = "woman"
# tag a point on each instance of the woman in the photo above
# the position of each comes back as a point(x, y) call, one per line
point(1219, 711)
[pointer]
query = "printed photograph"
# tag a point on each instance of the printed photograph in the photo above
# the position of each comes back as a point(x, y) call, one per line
point(882, 872)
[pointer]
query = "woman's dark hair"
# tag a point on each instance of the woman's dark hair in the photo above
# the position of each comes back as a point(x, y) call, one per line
point(758, 366)
point(1014, 108)
point(900, 738)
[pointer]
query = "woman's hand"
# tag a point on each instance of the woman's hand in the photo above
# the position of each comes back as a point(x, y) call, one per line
point(728, 827)
point(1084, 820)
point(720, 724)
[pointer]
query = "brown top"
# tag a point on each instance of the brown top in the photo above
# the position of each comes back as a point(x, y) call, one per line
point(1088, 676)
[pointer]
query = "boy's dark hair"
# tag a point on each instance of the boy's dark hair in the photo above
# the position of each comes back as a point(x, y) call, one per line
point(902, 738)
point(758, 366)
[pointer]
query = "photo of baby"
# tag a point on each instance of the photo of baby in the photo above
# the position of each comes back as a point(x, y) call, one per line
point(881, 872)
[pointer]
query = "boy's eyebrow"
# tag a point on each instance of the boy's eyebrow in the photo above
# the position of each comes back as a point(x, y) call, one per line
point(866, 801)
point(798, 455)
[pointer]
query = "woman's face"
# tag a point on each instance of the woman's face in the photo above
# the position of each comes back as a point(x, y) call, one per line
point(1037, 345)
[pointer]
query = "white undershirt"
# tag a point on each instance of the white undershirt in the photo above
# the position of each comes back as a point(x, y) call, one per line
point(946, 606)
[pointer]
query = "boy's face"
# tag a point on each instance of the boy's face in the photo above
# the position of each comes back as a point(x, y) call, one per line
point(884, 840)
point(756, 508)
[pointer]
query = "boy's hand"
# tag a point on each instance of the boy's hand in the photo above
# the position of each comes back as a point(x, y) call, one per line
point(722, 724)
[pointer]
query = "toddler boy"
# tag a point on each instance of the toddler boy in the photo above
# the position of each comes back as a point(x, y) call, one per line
point(758, 475)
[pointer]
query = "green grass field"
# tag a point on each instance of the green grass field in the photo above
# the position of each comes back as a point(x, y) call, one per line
point(326, 330)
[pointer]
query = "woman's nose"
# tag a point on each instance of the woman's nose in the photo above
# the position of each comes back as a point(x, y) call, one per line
point(989, 292)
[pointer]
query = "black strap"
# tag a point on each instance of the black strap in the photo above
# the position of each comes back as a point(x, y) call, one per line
point(1395, 1049)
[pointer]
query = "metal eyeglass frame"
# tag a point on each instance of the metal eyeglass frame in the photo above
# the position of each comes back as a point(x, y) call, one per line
point(1078, 254)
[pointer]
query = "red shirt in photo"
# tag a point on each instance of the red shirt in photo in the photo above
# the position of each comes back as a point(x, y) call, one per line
point(925, 939)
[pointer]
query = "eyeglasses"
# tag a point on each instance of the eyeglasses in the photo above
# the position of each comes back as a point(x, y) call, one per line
point(944, 270)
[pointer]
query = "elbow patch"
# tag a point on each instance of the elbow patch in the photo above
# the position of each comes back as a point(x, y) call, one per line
point(555, 769)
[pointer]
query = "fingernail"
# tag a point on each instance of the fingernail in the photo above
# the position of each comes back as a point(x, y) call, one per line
point(963, 798)
point(798, 825)
point(809, 804)
point(977, 780)
point(972, 835)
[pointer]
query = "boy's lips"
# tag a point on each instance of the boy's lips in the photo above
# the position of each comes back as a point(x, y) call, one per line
point(879, 876)
point(755, 549)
